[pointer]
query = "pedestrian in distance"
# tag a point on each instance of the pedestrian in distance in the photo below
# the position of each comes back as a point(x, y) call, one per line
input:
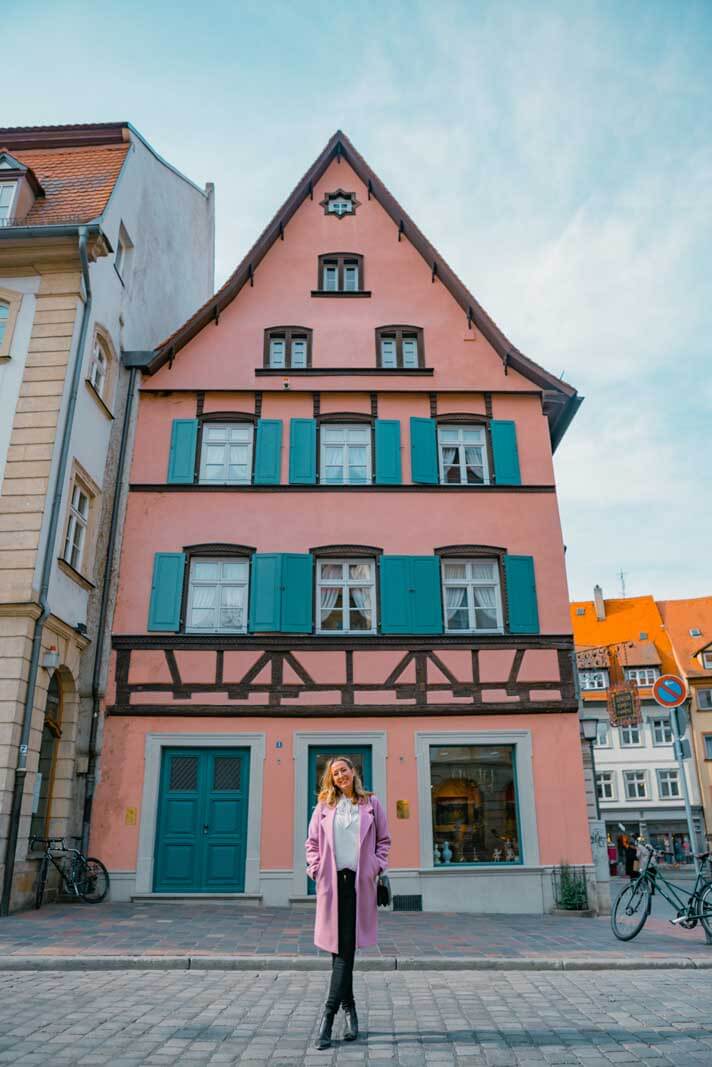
point(347, 850)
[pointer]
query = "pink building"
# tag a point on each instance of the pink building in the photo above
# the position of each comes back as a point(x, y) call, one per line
point(342, 536)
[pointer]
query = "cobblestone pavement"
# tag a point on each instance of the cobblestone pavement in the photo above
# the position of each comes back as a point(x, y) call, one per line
point(220, 930)
point(500, 1019)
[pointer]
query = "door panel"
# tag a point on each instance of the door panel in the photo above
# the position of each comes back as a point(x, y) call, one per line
point(360, 756)
point(202, 821)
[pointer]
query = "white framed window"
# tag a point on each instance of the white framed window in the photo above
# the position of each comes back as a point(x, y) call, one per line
point(351, 276)
point(330, 276)
point(630, 735)
point(593, 679)
point(462, 453)
point(668, 783)
point(708, 746)
point(99, 369)
point(340, 205)
point(642, 676)
point(288, 350)
point(662, 730)
point(704, 699)
point(7, 196)
point(341, 273)
point(217, 595)
point(636, 785)
point(389, 357)
point(695, 632)
point(707, 661)
point(603, 735)
point(345, 454)
point(606, 785)
point(400, 347)
point(124, 248)
point(75, 538)
point(226, 453)
point(346, 595)
point(471, 596)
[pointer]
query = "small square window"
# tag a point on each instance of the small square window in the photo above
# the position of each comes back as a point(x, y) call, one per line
point(593, 679)
point(630, 735)
point(694, 632)
point(340, 204)
point(662, 730)
point(704, 699)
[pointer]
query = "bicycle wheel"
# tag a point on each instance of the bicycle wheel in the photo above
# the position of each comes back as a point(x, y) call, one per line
point(92, 880)
point(41, 882)
point(706, 909)
point(631, 909)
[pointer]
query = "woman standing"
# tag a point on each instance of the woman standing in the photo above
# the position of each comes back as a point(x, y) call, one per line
point(347, 849)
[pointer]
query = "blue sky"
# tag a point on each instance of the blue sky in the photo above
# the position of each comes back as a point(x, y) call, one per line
point(559, 155)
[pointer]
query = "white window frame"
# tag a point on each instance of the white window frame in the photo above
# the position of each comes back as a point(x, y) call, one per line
point(330, 273)
point(340, 205)
point(707, 661)
point(642, 676)
point(461, 446)
point(671, 775)
point(100, 368)
point(610, 783)
point(638, 780)
point(346, 583)
point(220, 583)
point(6, 214)
point(660, 722)
point(470, 584)
point(632, 744)
point(588, 677)
point(205, 443)
point(603, 727)
point(346, 428)
point(76, 536)
point(122, 257)
point(700, 705)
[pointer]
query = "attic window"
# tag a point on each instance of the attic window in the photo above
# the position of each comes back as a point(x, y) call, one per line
point(340, 203)
point(580, 611)
point(643, 635)
point(694, 632)
point(7, 195)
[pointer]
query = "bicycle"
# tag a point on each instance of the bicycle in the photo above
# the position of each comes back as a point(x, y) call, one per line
point(634, 902)
point(82, 877)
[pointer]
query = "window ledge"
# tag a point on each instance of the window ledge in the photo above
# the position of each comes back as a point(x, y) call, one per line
point(105, 410)
point(316, 371)
point(75, 575)
point(5, 358)
point(477, 868)
point(340, 292)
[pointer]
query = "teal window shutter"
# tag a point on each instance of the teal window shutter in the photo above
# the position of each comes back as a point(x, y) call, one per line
point(423, 451)
point(181, 460)
point(504, 452)
point(521, 595)
point(297, 593)
point(166, 591)
point(265, 593)
point(388, 452)
point(395, 596)
point(268, 451)
point(426, 597)
point(302, 452)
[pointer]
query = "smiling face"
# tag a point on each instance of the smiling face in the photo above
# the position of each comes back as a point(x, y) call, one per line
point(342, 775)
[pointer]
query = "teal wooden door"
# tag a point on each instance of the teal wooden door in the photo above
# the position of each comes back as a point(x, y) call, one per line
point(360, 756)
point(201, 833)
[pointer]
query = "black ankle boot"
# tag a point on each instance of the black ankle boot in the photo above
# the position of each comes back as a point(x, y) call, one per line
point(325, 1028)
point(351, 1031)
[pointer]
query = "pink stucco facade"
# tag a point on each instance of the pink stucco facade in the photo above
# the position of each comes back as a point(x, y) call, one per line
point(404, 697)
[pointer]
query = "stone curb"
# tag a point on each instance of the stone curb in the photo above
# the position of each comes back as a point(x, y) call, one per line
point(376, 963)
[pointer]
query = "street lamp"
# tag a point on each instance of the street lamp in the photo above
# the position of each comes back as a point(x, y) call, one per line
point(589, 732)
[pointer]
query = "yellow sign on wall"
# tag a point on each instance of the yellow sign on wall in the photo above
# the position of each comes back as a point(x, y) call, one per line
point(402, 809)
point(130, 817)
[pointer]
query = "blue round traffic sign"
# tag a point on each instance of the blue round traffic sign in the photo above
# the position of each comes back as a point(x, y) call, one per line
point(670, 691)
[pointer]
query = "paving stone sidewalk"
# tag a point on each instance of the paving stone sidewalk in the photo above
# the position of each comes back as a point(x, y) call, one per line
point(222, 930)
point(423, 1019)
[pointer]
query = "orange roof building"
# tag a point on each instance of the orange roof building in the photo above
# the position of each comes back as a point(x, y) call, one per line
point(637, 777)
point(689, 627)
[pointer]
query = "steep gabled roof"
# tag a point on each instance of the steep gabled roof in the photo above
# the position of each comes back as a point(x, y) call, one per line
point(560, 399)
point(625, 623)
point(681, 616)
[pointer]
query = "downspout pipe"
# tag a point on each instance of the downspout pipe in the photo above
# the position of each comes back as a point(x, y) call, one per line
point(21, 769)
point(103, 610)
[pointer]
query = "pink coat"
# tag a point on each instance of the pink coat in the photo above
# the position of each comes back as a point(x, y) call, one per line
point(321, 865)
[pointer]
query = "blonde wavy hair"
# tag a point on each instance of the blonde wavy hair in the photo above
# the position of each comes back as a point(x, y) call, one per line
point(329, 792)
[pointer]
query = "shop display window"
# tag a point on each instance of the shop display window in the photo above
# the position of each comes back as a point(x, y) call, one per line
point(474, 804)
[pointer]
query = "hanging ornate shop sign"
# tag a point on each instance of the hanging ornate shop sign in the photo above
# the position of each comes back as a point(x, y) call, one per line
point(624, 704)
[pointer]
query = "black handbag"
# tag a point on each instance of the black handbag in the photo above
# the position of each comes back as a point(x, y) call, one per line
point(384, 897)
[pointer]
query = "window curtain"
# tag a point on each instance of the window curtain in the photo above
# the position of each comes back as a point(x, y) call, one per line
point(362, 600)
point(455, 600)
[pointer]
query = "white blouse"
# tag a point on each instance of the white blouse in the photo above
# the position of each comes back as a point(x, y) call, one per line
point(347, 834)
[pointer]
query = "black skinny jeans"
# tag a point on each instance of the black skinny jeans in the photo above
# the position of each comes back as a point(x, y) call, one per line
point(341, 989)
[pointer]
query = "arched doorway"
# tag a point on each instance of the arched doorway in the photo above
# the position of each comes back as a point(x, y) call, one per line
point(51, 733)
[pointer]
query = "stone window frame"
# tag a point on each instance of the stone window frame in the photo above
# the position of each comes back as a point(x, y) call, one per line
point(81, 575)
point(14, 301)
